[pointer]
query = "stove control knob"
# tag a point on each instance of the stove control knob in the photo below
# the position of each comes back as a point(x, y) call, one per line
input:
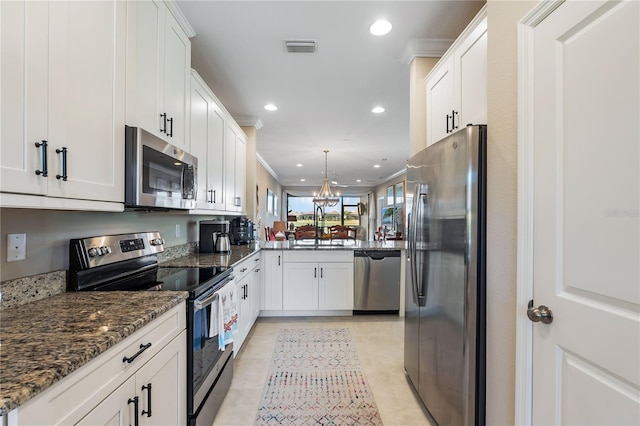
point(93, 252)
point(157, 242)
point(105, 249)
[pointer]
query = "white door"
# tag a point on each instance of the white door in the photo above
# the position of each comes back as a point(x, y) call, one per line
point(230, 138)
point(118, 409)
point(300, 285)
point(471, 78)
point(586, 232)
point(215, 159)
point(272, 280)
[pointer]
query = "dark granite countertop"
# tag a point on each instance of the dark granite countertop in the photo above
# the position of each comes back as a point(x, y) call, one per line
point(214, 259)
point(333, 245)
point(44, 341)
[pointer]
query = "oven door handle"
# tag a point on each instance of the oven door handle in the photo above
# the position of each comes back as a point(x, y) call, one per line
point(207, 300)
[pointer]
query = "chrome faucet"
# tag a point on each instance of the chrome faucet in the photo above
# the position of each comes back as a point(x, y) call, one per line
point(317, 216)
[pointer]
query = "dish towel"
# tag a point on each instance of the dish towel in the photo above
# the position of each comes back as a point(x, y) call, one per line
point(224, 315)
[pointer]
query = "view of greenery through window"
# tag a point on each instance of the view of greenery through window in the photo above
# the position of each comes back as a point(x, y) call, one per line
point(343, 213)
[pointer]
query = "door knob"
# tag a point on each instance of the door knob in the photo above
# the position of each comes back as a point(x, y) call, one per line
point(541, 313)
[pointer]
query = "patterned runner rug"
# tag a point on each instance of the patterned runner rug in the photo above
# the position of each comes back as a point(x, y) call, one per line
point(315, 378)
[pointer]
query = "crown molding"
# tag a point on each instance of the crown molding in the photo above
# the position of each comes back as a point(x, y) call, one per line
point(425, 48)
point(249, 121)
point(182, 21)
point(266, 166)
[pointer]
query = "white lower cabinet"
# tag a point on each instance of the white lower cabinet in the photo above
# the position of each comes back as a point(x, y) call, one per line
point(152, 395)
point(149, 390)
point(271, 299)
point(248, 297)
point(317, 281)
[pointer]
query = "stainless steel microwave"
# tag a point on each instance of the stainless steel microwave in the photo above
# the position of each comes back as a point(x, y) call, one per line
point(158, 175)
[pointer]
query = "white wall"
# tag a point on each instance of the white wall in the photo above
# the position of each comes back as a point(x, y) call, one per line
point(501, 206)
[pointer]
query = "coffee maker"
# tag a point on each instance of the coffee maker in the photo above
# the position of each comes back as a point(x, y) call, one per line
point(210, 232)
point(241, 231)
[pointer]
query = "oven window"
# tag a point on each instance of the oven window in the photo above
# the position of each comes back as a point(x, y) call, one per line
point(162, 175)
point(205, 346)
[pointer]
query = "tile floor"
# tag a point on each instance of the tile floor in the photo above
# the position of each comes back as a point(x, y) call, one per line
point(379, 341)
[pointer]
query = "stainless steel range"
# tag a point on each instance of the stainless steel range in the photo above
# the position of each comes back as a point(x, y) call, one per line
point(130, 262)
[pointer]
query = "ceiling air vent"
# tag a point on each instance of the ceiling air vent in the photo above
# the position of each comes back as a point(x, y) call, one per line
point(300, 46)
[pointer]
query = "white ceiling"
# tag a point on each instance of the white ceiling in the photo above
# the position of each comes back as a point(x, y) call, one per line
point(324, 99)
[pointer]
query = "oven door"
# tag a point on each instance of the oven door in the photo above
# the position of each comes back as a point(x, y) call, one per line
point(207, 360)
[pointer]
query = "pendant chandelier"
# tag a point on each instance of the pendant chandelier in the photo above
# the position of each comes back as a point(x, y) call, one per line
point(325, 197)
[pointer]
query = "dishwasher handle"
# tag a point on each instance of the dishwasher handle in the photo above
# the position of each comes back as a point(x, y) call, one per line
point(376, 254)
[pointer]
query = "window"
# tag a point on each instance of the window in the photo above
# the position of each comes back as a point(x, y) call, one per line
point(344, 213)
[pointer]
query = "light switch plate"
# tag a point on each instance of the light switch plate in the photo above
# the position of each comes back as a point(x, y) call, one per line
point(16, 247)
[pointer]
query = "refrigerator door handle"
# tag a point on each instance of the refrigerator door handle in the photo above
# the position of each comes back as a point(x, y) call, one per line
point(420, 194)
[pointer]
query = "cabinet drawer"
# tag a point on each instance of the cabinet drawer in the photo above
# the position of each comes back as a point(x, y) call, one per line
point(318, 256)
point(246, 265)
point(67, 401)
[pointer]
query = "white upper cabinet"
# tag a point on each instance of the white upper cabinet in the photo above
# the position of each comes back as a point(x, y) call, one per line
point(207, 126)
point(457, 85)
point(235, 152)
point(158, 71)
point(63, 97)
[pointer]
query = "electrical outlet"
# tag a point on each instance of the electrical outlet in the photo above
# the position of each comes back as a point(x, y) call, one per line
point(16, 247)
point(178, 232)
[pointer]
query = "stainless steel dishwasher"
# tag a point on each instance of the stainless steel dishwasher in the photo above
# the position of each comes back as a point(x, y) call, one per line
point(377, 281)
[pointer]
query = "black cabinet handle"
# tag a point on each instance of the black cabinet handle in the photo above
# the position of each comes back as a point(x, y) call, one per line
point(135, 407)
point(164, 123)
point(214, 196)
point(148, 411)
point(278, 260)
point(63, 176)
point(137, 354)
point(315, 272)
point(210, 192)
point(43, 146)
point(321, 272)
point(447, 123)
point(170, 132)
point(453, 120)
point(246, 291)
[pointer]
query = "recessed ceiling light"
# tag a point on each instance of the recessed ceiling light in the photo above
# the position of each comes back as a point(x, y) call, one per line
point(270, 107)
point(333, 182)
point(376, 166)
point(380, 27)
point(303, 180)
point(299, 165)
point(377, 110)
point(358, 180)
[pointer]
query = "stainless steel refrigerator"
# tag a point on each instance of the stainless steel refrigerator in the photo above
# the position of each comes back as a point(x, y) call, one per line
point(445, 277)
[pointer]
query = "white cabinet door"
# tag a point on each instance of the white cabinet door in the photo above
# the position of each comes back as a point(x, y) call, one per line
point(271, 299)
point(244, 312)
point(240, 174)
point(215, 158)
point(177, 63)
point(63, 73)
point(158, 72)
point(118, 409)
point(256, 293)
point(87, 99)
point(440, 102)
point(207, 127)
point(457, 86)
point(24, 85)
point(335, 289)
point(161, 385)
point(471, 78)
point(300, 285)
point(230, 137)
